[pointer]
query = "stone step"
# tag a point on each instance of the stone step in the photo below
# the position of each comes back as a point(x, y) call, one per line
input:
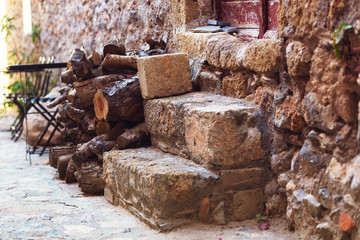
point(215, 131)
point(163, 190)
point(168, 191)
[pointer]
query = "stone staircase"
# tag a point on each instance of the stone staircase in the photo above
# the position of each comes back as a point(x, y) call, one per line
point(206, 163)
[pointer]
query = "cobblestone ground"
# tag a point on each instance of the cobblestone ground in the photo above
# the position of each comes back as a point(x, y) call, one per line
point(34, 204)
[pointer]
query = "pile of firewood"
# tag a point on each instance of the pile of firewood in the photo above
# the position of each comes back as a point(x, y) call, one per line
point(101, 108)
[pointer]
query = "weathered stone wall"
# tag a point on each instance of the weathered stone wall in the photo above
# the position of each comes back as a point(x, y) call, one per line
point(66, 25)
point(309, 99)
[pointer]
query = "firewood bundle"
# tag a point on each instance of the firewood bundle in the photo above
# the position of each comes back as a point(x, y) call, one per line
point(101, 108)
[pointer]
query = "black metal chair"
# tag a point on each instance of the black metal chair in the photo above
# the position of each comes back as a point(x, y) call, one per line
point(34, 98)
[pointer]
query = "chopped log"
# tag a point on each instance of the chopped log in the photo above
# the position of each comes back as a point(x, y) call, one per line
point(67, 77)
point(56, 152)
point(154, 44)
point(91, 178)
point(86, 90)
point(101, 106)
point(70, 172)
point(71, 94)
point(117, 62)
point(124, 101)
point(75, 114)
point(114, 47)
point(88, 123)
point(95, 147)
point(80, 66)
point(61, 98)
point(133, 138)
point(62, 165)
point(94, 59)
point(102, 127)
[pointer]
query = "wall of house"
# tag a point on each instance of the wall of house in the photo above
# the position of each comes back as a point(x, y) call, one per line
point(309, 100)
point(66, 25)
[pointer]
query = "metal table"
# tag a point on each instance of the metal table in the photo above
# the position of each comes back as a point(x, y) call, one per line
point(23, 69)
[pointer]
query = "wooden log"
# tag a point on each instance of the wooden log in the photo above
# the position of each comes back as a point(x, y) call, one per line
point(88, 124)
point(86, 90)
point(94, 59)
point(117, 62)
point(101, 105)
point(67, 77)
point(114, 47)
point(56, 152)
point(102, 127)
point(91, 178)
point(80, 66)
point(95, 147)
point(133, 138)
point(123, 100)
point(61, 98)
point(75, 114)
point(70, 172)
point(71, 94)
point(62, 165)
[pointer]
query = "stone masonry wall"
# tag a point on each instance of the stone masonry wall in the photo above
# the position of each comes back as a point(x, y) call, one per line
point(66, 25)
point(309, 100)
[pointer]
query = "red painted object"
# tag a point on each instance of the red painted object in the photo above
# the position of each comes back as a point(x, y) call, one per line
point(249, 14)
point(240, 13)
point(273, 6)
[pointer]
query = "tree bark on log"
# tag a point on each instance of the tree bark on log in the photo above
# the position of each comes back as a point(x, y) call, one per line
point(80, 66)
point(123, 99)
point(133, 138)
point(86, 90)
point(67, 77)
point(91, 178)
point(117, 62)
point(62, 165)
point(114, 47)
point(70, 172)
point(64, 95)
point(95, 147)
point(56, 152)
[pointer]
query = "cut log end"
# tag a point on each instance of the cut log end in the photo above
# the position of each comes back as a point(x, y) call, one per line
point(101, 105)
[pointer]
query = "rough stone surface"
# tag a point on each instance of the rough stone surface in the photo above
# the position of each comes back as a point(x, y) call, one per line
point(159, 187)
point(219, 214)
point(164, 75)
point(208, 128)
point(241, 178)
point(312, 205)
point(225, 51)
point(262, 56)
point(298, 59)
point(67, 25)
point(311, 159)
point(248, 203)
point(35, 205)
point(235, 84)
point(194, 44)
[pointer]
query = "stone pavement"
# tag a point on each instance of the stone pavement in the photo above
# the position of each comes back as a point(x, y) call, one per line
point(34, 204)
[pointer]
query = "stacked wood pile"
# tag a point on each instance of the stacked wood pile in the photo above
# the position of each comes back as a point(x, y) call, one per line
point(101, 108)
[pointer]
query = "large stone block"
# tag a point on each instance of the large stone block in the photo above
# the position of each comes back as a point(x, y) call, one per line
point(241, 178)
point(225, 51)
point(248, 203)
point(235, 84)
point(194, 44)
point(162, 189)
point(164, 75)
point(298, 58)
point(262, 55)
point(211, 129)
